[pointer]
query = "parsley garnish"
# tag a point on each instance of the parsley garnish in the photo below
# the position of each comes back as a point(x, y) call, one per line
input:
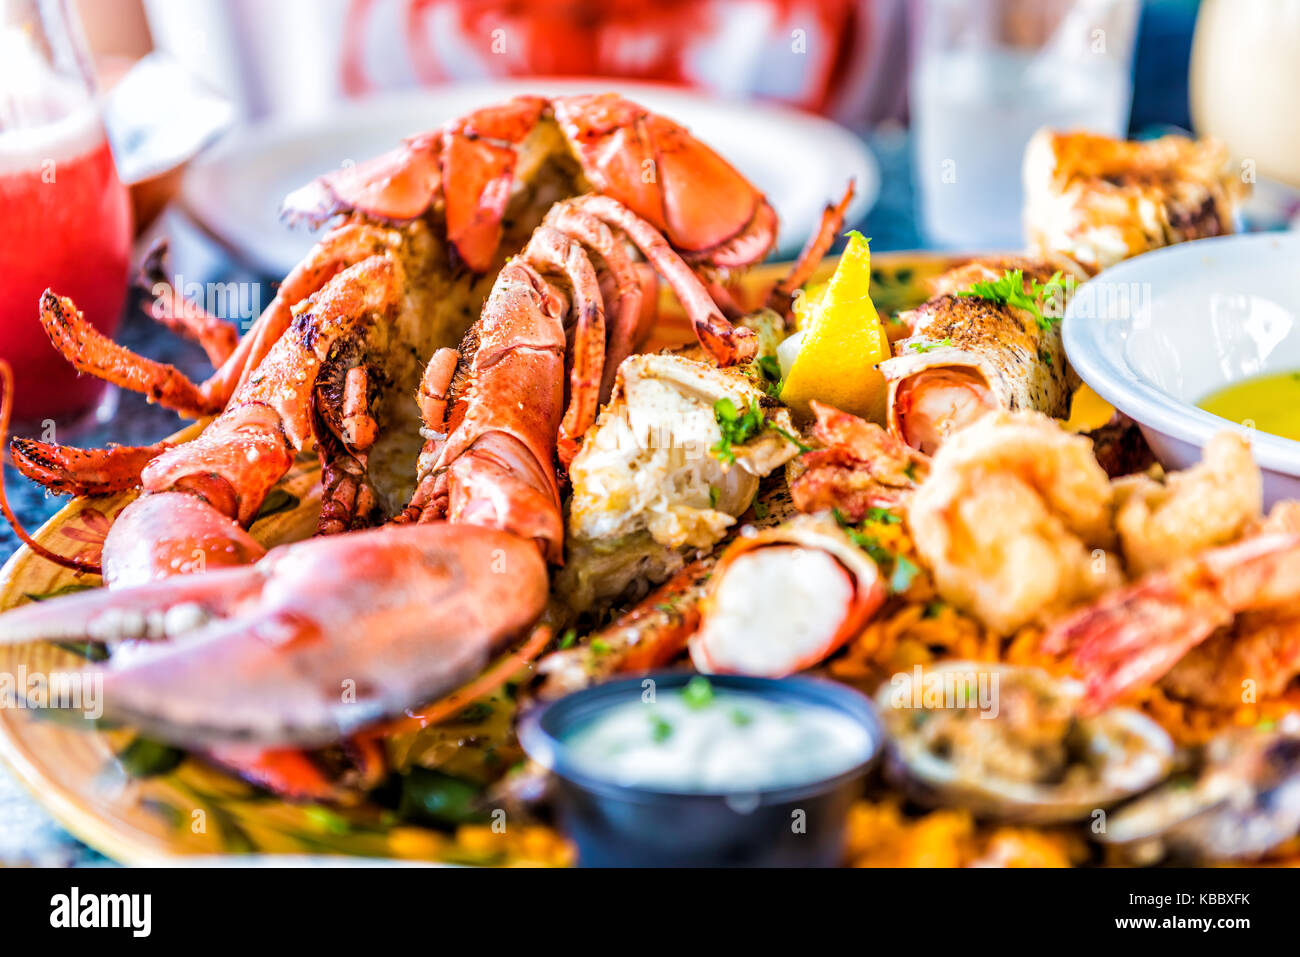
point(738, 427)
point(760, 509)
point(600, 646)
point(1010, 291)
point(900, 569)
point(568, 638)
point(713, 496)
point(770, 369)
point(882, 516)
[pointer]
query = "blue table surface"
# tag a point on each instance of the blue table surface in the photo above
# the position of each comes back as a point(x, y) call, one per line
point(27, 834)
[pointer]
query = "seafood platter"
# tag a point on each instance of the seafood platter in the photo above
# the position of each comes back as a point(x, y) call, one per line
point(539, 521)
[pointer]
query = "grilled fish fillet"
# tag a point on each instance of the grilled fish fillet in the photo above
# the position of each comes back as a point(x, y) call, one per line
point(969, 356)
point(1099, 200)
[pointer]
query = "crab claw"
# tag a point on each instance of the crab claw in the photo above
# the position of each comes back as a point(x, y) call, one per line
point(313, 642)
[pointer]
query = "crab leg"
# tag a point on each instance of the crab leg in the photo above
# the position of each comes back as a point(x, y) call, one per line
point(648, 636)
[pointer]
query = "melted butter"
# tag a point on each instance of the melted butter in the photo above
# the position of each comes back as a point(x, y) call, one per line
point(1270, 403)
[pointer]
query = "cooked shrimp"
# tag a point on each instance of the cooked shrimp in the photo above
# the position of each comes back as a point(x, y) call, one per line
point(1014, 519)
point(1247, 593)
point(856, 466)
point(1207, 505)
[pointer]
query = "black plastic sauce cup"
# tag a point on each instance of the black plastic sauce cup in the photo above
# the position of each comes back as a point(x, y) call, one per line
point(615, 825)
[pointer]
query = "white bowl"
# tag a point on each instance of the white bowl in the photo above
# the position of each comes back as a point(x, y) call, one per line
point(1157, 334)
point(235, 189)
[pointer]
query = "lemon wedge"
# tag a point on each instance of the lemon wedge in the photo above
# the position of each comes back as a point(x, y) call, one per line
point(842, 340)
point(807, 302)
point(1088, 411)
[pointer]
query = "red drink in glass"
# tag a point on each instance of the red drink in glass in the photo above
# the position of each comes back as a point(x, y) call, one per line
point(65, 224)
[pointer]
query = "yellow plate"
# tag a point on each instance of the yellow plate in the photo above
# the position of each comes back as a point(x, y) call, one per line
point(81, 777)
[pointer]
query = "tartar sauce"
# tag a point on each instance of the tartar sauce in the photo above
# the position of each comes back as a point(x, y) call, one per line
point(698, 739)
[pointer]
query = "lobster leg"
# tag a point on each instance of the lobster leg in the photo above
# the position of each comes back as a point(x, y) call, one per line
point(90, 351)
point(552, 250)
point(65, 470)
point(727, 344)
point(200, 496)
point(810, 257)
point(434, 394)
point(337, 251)
point(94, 353)
point(171, 309)
point(625, 300)
point(495, 467)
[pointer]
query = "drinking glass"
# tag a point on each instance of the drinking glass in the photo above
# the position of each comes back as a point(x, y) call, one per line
point(65, 217)
point(1245, 82)
point(986, 74)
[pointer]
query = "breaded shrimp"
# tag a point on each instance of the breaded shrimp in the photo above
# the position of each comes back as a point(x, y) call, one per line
point(1210, 504)
point(1014, 521)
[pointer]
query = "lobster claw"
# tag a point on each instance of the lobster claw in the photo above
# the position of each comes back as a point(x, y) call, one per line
point(396, 186)
point(313, 642)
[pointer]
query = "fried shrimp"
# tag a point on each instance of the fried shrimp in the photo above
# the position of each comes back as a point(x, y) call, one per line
point(1207, 505)
point(1014, 520)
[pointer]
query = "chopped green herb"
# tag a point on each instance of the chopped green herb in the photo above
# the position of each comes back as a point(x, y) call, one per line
point(713, 497)
point(568, 639)
point(1010, 291)
point(143, 758)
point(741, 718)
point(770, 368)
point(899, 569)
point(600, 646)
point(760, 509)
point(428, 796)
point(738, 427)
point(927, 346)
point(698, 692)
point(660, 729)
point(933, 609)
point(882, 516)
point(905, 570)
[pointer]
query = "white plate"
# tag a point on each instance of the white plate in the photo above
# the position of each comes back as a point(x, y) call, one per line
point(234, 190)
point(1157, 334)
